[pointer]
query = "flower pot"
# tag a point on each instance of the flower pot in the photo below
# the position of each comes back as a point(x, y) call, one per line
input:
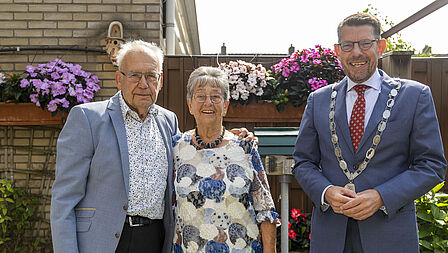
point(263, 112)
point(27, 114)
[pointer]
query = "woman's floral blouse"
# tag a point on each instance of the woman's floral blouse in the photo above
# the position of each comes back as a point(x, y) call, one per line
point(222, 196)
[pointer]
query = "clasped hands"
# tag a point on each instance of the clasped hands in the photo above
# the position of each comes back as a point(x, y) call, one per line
point(358, 206)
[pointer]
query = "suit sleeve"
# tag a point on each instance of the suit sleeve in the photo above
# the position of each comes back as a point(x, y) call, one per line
point(307, 156)
point(74, 154)
point(427, 161)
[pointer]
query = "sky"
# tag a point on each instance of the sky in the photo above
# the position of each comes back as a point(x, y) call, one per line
point(271, 26)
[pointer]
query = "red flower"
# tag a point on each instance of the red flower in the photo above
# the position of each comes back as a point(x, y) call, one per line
point(289, 224)
point(292, 234)
point(295, 213)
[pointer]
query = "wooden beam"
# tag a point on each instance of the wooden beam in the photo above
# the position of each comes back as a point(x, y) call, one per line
point(414, 18)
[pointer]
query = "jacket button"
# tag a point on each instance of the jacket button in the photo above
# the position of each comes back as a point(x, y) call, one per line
point(117, 235)
point(125, 208)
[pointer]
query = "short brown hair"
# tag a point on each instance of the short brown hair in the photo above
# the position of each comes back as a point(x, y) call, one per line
point(360, 19)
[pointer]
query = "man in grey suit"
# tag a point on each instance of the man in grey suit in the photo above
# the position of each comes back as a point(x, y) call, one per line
point(112, 191)
point(368, 146)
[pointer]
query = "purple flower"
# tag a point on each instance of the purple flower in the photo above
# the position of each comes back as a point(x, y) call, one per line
point(55, 75)
point(64, 102)
point(34, 98)
point(317, 61)
point(88, 94)
point(52, 107)
point(24, 83)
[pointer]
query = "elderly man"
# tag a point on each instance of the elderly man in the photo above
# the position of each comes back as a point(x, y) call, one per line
point(367, 147)
point(113, 188)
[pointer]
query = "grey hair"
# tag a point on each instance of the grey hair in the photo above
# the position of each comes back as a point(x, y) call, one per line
point(360, 19)
point(140, 46)
point(205, 75)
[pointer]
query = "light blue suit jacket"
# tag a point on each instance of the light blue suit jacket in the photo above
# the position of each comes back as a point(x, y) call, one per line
point(90, 192)
point(408, 162)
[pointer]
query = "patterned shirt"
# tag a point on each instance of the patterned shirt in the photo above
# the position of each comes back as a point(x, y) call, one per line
point(148, 163)
point(222, 195)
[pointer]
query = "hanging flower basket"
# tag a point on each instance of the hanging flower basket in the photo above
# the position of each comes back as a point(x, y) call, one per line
point(28, 114)
point(263, 112)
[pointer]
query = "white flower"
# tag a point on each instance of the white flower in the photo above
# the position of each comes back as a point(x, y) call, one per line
point(235, 94)
point(244, 95)
point(233, 79)
point(208, 231)
point(2, 78)
point(240, 243)
point(263, 83)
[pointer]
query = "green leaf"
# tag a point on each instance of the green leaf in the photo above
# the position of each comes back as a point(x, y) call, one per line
point(437, 213)
point(426, 244)
point(9, 200)
point(424, 216)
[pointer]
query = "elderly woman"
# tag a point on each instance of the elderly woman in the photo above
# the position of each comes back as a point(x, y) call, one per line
point(223, 203)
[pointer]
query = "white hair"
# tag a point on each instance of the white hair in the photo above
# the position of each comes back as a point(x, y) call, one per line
point(140, 45)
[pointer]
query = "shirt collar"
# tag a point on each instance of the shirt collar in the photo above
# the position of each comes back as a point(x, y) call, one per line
point(373, 82)
point(125, 109)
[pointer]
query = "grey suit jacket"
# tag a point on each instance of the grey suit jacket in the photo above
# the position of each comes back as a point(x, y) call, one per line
point(90, 192)
point(408, 162)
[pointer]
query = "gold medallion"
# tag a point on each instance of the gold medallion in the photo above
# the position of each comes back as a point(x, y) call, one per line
point(350, 186)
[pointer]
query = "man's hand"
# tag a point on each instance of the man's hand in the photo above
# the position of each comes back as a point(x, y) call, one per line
point(244, 133)
point(337, 196)
point(364, 205)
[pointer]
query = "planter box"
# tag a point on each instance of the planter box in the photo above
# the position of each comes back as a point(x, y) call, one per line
point(263, 112)
point(20, 114)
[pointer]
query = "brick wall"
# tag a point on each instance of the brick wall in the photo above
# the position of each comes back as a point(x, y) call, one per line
point(73, 24)
point(27, 154)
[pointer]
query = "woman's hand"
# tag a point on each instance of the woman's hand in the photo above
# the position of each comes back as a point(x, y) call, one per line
point(244, 133)
point(268, 237)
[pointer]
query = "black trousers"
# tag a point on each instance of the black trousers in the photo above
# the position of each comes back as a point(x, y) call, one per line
point(352, 238)
point(145, 239)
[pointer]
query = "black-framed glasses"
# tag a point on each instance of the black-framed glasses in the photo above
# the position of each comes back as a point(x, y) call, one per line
point(348, 46)
point(135, 77)
point(202, 97)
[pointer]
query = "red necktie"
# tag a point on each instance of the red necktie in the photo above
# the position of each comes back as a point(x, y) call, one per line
point(358, 116)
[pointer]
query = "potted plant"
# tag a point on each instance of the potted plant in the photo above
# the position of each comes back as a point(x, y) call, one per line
point(295, 77)
point(299, 231)
point(54, 87)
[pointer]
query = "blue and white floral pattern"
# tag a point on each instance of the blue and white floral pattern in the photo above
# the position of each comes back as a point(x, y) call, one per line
point(222, 196)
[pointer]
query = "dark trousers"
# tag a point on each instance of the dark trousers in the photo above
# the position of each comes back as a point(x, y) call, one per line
point(145, 239)
point(352, 238)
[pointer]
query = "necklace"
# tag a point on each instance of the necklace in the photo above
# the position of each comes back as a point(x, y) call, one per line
point(376, 140)
point(209, 144)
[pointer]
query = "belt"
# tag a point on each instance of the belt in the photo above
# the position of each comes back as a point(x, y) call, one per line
point(138, 221)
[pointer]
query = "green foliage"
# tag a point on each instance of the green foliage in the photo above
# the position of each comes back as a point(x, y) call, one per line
point(394, 42)
point(10, 90)
point(432, 220)
point(16, 213)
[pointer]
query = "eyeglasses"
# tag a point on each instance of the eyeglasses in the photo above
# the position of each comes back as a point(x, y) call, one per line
point(135, 77)
point(202, 97)
point(348, 46)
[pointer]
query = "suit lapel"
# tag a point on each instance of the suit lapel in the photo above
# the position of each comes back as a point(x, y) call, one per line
point(341, 114)
point(377, 113)
point(120, 130)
